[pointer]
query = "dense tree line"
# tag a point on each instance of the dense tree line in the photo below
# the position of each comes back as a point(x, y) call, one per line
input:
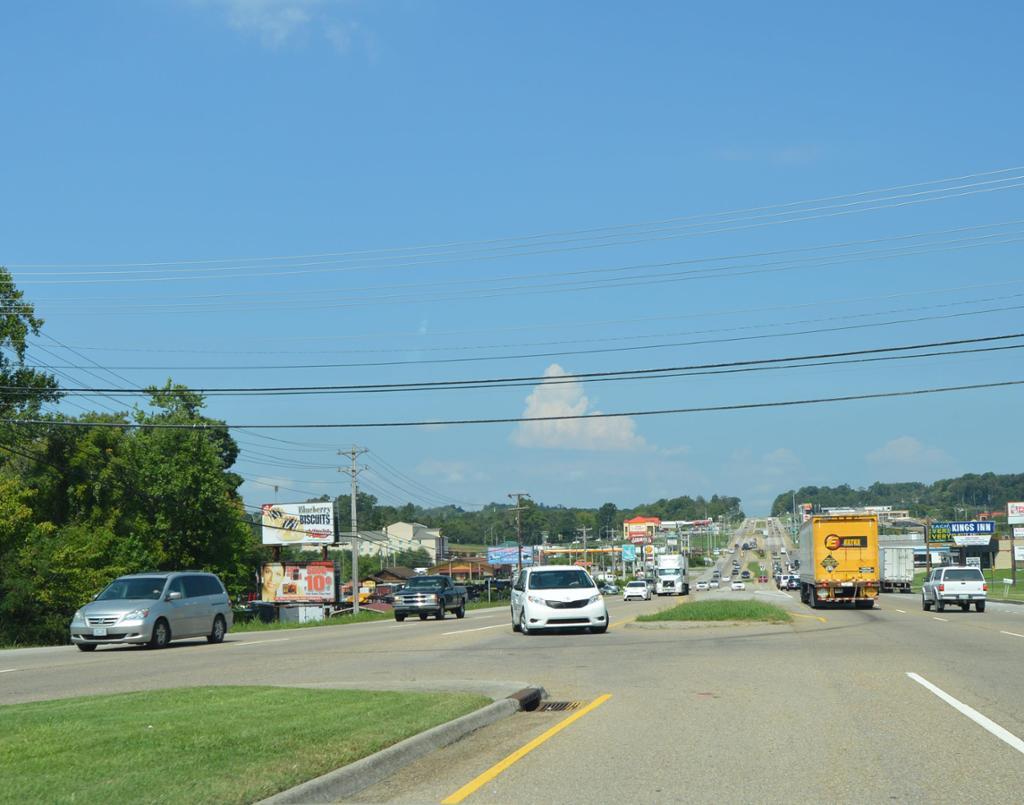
point(948, 499)
point(89, 498)
point(495, 523)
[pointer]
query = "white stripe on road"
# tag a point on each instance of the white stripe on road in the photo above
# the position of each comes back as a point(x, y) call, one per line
point(477, 629)
point(8, 670)
point(986, 723)
point(255, 642)
point(944, 620)
point(1012, 634)
point(902, 610)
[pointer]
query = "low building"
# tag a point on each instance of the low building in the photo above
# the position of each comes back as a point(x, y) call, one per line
point(463, 569)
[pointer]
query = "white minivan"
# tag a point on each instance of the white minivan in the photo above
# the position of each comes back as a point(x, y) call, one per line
point(557, 597)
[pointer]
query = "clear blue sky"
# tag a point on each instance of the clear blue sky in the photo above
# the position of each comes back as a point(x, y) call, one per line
point(157, 153)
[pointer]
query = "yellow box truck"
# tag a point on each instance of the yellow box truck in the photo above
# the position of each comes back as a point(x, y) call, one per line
point(839, 560)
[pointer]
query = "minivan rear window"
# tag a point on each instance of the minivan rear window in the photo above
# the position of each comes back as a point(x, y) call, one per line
point(966, 574)
point(125, 589)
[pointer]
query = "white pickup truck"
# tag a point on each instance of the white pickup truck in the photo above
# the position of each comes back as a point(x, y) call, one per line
point(962, 586)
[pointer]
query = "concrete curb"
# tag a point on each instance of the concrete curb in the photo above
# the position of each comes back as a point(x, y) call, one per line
point(372, 769)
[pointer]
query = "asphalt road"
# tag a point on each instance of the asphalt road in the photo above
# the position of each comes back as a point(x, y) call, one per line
point(823, 710)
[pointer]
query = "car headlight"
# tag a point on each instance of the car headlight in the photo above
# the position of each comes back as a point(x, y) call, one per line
point(431, 598)
point(78, 619)
point(135, 615)
point(594, 599)
point(533, 599)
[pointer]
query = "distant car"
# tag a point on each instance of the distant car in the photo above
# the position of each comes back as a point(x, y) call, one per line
point(610, 589)
point(713, 584)
point(636, 589)
point(793, 583)
point(702, 585)
point(738, 585)
point(745, 575)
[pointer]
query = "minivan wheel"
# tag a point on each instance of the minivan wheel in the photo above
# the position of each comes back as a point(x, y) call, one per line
point(218, 632)
point(86, 646)
point(161, 635)
point(523, 627)
point(515, 625)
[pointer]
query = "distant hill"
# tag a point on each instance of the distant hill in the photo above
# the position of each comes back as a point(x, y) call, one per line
point(952, 498)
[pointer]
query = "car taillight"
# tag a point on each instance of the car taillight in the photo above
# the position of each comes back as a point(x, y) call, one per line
point(942, 588)
point(984, 588)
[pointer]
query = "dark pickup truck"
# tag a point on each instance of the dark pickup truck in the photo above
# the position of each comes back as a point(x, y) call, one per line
point(430, 595)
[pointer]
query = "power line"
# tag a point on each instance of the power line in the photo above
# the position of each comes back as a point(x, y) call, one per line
point(512, 420)
point(403, 251)
point(426, 384)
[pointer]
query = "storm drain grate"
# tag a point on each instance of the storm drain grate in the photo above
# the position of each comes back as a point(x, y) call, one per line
point(559, 705)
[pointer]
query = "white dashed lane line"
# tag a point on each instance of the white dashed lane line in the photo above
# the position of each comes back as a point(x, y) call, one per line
point(984, 722)
point(8, 670)
point(1012, 634)
point(256, 642)
point(477, 629)
point(944, 620)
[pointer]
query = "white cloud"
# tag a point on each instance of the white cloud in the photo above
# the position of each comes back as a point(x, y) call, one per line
point(551, 399)
point(273, 21)
point(908, 455)
point(276, 23)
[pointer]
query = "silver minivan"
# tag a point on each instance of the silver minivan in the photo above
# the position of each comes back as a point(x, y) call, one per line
point(154, 608)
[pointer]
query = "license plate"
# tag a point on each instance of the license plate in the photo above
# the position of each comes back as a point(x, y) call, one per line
point(964, 596)
point(99, 632)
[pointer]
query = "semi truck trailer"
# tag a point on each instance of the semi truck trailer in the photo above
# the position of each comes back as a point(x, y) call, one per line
point(839, 562)
point(897, 569)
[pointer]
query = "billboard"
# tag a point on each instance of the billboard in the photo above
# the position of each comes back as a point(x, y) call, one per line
point(972, 532)
point(1015, 513)
point(628, 552)
point(298, 523)
point(298, 581)
point(509, 556)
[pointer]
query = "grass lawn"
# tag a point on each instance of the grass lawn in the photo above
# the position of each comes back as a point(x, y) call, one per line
point(721, 611)
point(364, 616)
point(212, 744)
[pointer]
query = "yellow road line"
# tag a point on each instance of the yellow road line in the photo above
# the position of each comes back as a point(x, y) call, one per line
point(499, 767)
point(815, 617)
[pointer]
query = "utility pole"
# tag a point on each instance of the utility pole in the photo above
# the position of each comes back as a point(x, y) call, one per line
point(584, 529)
point(353, 453)
point(519, 524)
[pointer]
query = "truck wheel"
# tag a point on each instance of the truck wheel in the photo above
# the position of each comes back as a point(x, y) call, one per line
point(940, 605)
point(979, 605)
point(461, 611)
point(925, 604)
point(399, 618)
point(812, 598)
point(423, 616)
point(439, 614)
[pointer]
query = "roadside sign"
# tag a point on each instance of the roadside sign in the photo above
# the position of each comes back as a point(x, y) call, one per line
point(963, 533)
point(1018, 553)
point(974, 561)
point(1015, 513)
point(1018, 532)
point(628, 552)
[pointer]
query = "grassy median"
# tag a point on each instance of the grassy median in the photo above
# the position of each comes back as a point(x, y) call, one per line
point(721, 611)
point(208, 744)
